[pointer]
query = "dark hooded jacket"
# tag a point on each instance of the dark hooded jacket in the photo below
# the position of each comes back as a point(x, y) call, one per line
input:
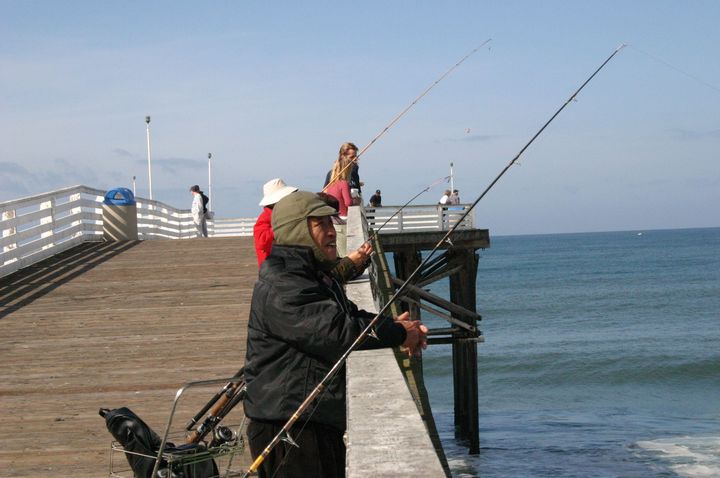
point(300, 324)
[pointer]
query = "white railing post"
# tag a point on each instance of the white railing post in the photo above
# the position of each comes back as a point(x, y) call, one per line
point(9, 214)
point(400, 220)
point(48, 220)
point(77, 210)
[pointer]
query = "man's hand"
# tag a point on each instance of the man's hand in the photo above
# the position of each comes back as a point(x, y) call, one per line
point(360, 256)
point(416, 339)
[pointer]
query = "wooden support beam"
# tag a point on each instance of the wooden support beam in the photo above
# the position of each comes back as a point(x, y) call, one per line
point(437, 313)
point(439, 301)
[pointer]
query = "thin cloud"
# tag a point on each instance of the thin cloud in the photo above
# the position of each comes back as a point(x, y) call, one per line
point(18, 181)
point(688, 135)
point(11, 168)
point(123, 152)
point(474, 138)
point(175, 165)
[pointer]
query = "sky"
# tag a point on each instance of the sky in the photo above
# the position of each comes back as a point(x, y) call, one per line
point(272, 89)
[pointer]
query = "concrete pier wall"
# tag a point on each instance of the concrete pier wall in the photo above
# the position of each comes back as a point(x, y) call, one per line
point(386, 434)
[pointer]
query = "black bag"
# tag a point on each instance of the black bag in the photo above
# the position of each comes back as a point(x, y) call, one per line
point(137, 437)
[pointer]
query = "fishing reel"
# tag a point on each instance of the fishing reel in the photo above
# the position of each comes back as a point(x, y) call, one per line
point(223, 435)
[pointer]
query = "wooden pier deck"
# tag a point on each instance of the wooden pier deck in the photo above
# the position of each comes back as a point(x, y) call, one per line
point(110, 325)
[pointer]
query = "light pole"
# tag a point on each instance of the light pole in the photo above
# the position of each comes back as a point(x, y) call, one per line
point(147, 121)
point(134, 193)
point(452, 179)
point(209, 206)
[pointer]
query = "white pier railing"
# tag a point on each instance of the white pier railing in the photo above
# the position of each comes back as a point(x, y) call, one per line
point(418, 218)
point(36, 227)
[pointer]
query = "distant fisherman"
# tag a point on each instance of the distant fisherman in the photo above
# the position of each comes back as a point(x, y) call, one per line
point(300, 324)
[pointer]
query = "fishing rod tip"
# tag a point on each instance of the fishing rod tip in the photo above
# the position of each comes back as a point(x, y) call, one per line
point(622, 45)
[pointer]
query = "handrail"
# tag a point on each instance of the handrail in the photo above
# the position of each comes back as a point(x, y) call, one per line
point(39, 226)
point(418, 218)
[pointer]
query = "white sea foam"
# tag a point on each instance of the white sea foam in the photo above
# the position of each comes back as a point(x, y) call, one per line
point(687, 456)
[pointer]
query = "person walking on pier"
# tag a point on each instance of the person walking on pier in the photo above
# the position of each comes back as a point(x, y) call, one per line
point(199, 210)
point(300, 324)
point(273, 191)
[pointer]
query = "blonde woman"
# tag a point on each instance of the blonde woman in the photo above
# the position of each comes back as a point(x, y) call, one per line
point(339, 186)
point(348, 151)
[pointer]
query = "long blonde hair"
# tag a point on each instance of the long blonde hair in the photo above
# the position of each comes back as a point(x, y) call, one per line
point(342, 169)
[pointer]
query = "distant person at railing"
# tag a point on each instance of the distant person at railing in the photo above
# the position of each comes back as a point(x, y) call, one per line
point(445, 199)
point(199, 210)
point(348, 153)
point(273, 191)
point(454, 197)
point(376, 199)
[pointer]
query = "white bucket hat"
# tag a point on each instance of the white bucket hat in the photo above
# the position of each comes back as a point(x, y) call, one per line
point(274, 190)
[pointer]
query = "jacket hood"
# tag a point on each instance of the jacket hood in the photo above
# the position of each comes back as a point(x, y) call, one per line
point(289, 222)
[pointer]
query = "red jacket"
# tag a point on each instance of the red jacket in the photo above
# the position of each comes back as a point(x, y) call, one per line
point(263, 234)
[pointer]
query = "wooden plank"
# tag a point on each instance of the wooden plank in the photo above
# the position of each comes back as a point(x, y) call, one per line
point(110, 325)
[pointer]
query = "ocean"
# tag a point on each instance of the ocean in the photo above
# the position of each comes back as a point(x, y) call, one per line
point(601, 357)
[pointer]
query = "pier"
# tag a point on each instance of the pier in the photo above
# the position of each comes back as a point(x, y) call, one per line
point(108, 324)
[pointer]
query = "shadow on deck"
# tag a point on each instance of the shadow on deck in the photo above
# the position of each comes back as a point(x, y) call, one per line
point(109, 325)
point(24, 286)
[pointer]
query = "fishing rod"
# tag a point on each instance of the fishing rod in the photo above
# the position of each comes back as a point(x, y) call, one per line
point(217, 407)
point(284, 433)
point(402, 113)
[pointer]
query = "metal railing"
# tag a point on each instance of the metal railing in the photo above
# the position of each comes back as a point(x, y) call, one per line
point(37, 227)
point(418, 218)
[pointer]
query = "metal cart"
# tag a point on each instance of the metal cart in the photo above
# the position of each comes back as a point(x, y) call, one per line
point(226, 452)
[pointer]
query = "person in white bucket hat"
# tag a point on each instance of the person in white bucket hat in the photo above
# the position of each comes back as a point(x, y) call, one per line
point(273, 191)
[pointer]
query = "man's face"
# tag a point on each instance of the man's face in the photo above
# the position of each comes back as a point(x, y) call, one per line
point(323, 233)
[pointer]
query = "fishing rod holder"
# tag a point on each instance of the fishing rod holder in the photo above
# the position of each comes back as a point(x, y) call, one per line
point(224, 448)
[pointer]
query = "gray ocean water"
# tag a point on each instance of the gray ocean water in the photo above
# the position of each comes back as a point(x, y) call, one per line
point(602, 357)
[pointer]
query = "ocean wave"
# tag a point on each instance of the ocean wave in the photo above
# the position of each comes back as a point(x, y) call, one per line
point(687, 456)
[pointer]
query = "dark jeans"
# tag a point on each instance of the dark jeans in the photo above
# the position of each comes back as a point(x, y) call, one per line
point(321, 453)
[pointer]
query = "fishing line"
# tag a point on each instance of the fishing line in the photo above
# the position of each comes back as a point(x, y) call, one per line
point(369, 330)
point(413, 103)
point(672, 67)
point(431, 185)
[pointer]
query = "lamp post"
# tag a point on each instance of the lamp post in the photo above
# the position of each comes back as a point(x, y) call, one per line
point(452, 179)
point(134, 192)
point(209, 206)
point(147, 121)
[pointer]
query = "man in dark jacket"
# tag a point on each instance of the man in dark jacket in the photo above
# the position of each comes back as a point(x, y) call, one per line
point(300, 324)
